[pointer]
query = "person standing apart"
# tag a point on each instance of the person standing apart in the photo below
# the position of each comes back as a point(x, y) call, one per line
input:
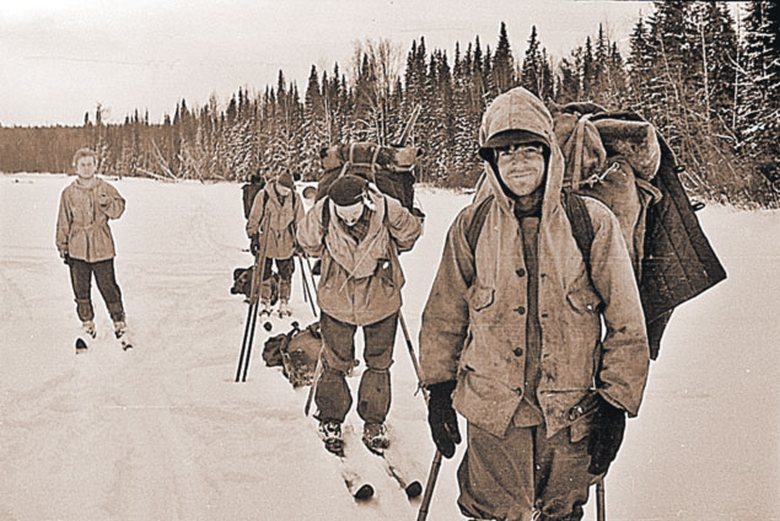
point(85, 243)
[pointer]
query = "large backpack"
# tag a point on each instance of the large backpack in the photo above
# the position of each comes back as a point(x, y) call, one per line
point(390, 168)
point(620, 159)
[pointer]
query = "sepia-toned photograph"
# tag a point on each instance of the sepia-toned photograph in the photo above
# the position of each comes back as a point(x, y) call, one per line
point(389, 260)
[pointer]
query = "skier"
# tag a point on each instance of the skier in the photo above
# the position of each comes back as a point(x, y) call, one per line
point(282, 206)
point(85, 243)
point(511, 334)
point(254, 184)
point(357, 232)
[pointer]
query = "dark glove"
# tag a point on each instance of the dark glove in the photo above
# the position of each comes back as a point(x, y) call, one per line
point(254, 246)
point(606, 428)
point(442, 418)
point(66, 258)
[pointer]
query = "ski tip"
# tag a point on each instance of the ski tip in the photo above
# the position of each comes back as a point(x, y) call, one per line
point(413, 489)
point(80, 345)
point(365, 491)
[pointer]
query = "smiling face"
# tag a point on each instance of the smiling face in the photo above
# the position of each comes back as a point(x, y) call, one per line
point(521, 167)
point(86, 167)
point(350, 214)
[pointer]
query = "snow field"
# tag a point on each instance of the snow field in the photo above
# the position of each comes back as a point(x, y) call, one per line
point(163, 432)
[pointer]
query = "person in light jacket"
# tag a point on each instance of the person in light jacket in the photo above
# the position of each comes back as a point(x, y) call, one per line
point(511, 335)
point(85, 243)
point(281, 206)
point(357, 232)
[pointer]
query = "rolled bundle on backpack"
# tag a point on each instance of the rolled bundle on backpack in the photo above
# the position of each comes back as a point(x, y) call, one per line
point(636, 141)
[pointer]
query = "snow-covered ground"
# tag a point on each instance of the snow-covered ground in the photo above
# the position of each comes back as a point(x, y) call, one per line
point(163, 432)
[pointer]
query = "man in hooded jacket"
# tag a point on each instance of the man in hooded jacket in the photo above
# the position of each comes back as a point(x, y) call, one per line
point(511, 335)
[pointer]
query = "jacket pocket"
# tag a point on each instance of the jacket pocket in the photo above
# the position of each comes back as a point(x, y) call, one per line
point(581, 417)
point(480, 297)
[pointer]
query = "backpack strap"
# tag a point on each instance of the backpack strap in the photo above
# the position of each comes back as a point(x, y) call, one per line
point(474, 228)
point(325, 218)
point(581, 225)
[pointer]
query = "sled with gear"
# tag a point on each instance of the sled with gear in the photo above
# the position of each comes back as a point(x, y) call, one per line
point(296, 351)
point(242, 283)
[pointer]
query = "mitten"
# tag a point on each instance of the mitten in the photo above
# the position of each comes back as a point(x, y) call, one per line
point(442, 418)
point(606, 428)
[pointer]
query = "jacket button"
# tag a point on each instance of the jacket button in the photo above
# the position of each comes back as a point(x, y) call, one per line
point(520, 309)
point(520, 272)
point(518, 351)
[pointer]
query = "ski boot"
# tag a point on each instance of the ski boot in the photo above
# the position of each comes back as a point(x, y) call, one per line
point(89, 333)
point(120, 332)
point(331, 436)
point(284, 310)
point(265, 307)
point(375, 437)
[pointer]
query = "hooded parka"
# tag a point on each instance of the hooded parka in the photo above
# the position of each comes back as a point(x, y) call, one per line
point(82, 221)
point(473, 330)
point(282, 220)
point(360, 282)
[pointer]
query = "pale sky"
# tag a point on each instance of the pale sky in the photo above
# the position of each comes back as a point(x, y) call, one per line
point(59, 58)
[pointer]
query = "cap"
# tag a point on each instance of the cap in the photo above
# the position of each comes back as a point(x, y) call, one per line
point(285, 179)
point(510, 137)
point(347, 190)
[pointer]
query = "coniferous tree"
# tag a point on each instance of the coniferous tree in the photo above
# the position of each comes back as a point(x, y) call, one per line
point(529, 73)
point(503, 63)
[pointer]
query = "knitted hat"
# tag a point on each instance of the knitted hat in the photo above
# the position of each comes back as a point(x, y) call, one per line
point(347, 190)
point(285, 179)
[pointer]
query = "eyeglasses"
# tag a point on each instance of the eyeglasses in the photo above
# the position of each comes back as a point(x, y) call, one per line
point(524, 150)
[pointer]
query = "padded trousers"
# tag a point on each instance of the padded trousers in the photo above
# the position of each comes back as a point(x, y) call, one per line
point(333, 396)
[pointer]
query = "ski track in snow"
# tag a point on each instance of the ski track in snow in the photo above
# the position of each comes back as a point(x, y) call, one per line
point(163, 432)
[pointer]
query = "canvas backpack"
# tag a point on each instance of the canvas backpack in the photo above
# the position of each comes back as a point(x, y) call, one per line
point(390, 168)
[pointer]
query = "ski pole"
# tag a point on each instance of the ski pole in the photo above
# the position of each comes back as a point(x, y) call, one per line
point(316, 378)
point(303, 281)
point(250, 312)
point(307, 289)
point(433, 474)
point(601, 503)
point(258, 274)
point(410, 347)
